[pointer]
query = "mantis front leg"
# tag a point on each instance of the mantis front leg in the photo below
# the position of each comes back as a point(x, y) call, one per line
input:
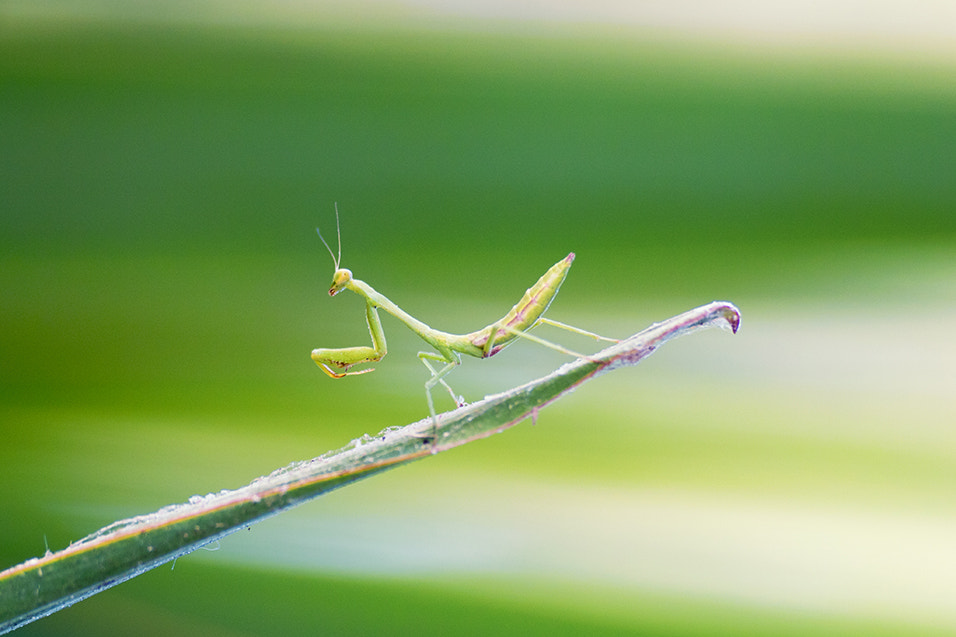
point(344, 357)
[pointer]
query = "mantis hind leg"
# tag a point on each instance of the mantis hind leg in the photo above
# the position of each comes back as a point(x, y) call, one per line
point(344, 357)
point(576, 330)
point(558, 348)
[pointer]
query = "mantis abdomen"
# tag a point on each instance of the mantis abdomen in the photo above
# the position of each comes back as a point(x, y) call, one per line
point(525, 313)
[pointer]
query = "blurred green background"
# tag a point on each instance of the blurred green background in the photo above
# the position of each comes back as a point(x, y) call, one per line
point(161, 287)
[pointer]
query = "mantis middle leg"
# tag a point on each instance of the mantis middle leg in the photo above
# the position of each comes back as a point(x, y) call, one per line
point(451, 360)
point(344, 357)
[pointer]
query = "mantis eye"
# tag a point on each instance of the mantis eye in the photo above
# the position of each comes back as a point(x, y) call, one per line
point(340, 279)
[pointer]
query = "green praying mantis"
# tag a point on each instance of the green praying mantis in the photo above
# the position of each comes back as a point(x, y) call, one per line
point(448, 348)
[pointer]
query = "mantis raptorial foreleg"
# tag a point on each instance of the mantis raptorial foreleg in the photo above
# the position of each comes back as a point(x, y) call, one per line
point(448, 348)
point(344, 357)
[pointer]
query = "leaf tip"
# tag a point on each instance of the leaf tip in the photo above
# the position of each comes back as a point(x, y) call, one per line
point(730, 314)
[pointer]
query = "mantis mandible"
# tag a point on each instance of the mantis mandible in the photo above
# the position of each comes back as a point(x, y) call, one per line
point(483, 343)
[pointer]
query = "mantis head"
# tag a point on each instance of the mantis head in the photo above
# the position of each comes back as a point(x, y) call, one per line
point(340, 280)
point(342, 276)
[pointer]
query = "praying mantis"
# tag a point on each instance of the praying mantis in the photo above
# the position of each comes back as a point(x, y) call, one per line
point(448, 348)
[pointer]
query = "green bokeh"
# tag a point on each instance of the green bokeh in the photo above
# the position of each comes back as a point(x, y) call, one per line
point(161, 285)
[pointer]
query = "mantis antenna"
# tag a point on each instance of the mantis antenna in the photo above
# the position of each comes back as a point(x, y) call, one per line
point(338, 232)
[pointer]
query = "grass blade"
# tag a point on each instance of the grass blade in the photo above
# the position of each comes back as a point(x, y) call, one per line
point(126, 548)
